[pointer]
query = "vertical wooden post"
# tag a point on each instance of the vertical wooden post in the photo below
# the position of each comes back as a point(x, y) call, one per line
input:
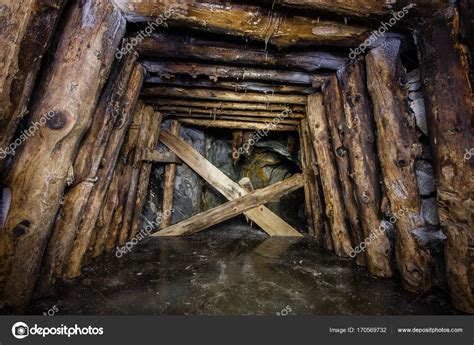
point(86, 174)
point(73, 266)
point(237, 141)
point(449, 113)
point(336, 123)
point(335, 211)
point(170, 175)
point(68, 93)
point(145, 170)
point(308, 198)
point(398, 147)
point(359, 129)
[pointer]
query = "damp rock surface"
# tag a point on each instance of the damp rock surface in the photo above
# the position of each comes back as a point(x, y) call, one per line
point(234, 270)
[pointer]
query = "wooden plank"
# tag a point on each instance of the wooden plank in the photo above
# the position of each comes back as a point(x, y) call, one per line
point(220, 105)
point(156, 156)
point(239, 125)
point(212, 112)
point(233, 208)
point(262, 216)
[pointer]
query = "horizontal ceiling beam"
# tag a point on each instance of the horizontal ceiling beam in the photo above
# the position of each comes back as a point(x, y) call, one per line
point(219, 95)
point(189, 48)
point(256, 126)
point(236, 86)
point(247, 21)
point(171, 70)
point(225, 105)
point(293, 122)
point(213, 112)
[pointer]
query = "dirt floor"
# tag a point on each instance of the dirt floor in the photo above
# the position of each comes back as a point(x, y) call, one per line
point(233, 271)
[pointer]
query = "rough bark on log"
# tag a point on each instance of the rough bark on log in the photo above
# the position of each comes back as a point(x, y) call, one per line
point(86, 167)
point(359, 129)
point(238, 125)
point(227, 105)
point(449, 113)
point(247, 21)
point(240, 120)
point(318, 126)
point(145, 172)
point(336, 121)
point(233, 208)
point(86, 228)
point(184, 47)
point(212, 113)
point(172, 70)
point(237, 141)
point(170, 174)
point(27, 31)
point(69, 90)
point(236, 85)
point(218, 95)
point(398, 147)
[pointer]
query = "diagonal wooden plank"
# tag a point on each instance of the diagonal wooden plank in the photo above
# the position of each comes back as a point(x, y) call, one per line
point(262, 216)
point(233, 208)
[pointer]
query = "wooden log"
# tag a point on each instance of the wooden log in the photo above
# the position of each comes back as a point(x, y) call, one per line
point(247, 141)
point(235, 85)
point(247, 21)
point(262, 216)
point(233, 208)
point(308, 197)
point(168, 185)
point(145, 172)
point(227, 105)
point(233, 118)
point(171, 70)
point(364, 8)
point(449, 111)
point(359, 129)
point(21, 55)
point(69, 90)
point(86, 228)
point(157, 156)
point(318, 126)
point(218, 95)
point(86, 169)
point(215, 112)
point(238, 125)
point(237, 141)
point(185, 47)
point(336, 124)
point(398, 147)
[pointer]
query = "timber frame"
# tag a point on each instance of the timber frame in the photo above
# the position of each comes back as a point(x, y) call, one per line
point(77, 189)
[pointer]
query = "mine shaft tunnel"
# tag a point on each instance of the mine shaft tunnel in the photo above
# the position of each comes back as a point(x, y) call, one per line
point(240, 159)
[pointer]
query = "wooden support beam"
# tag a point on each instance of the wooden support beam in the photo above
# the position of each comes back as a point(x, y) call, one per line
point(336, 124)
point(398, 147)
point(87, 172)
point(359, 140)
point(246, 120)
point(237, 141)
point(219, 95)
point(190, 48)
point(168, 185)
point(238, 125)
point(335, 211)
point(171, 70)
point(247, 21)
point(215, 112)
point(21, 55)
point(449, 110)
point(233, 208)
point(262, 216)
point(38, 177)
point(219, 105)
point(236, 86)
point(157, 156)
point(84, 235)
point(145, 171)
